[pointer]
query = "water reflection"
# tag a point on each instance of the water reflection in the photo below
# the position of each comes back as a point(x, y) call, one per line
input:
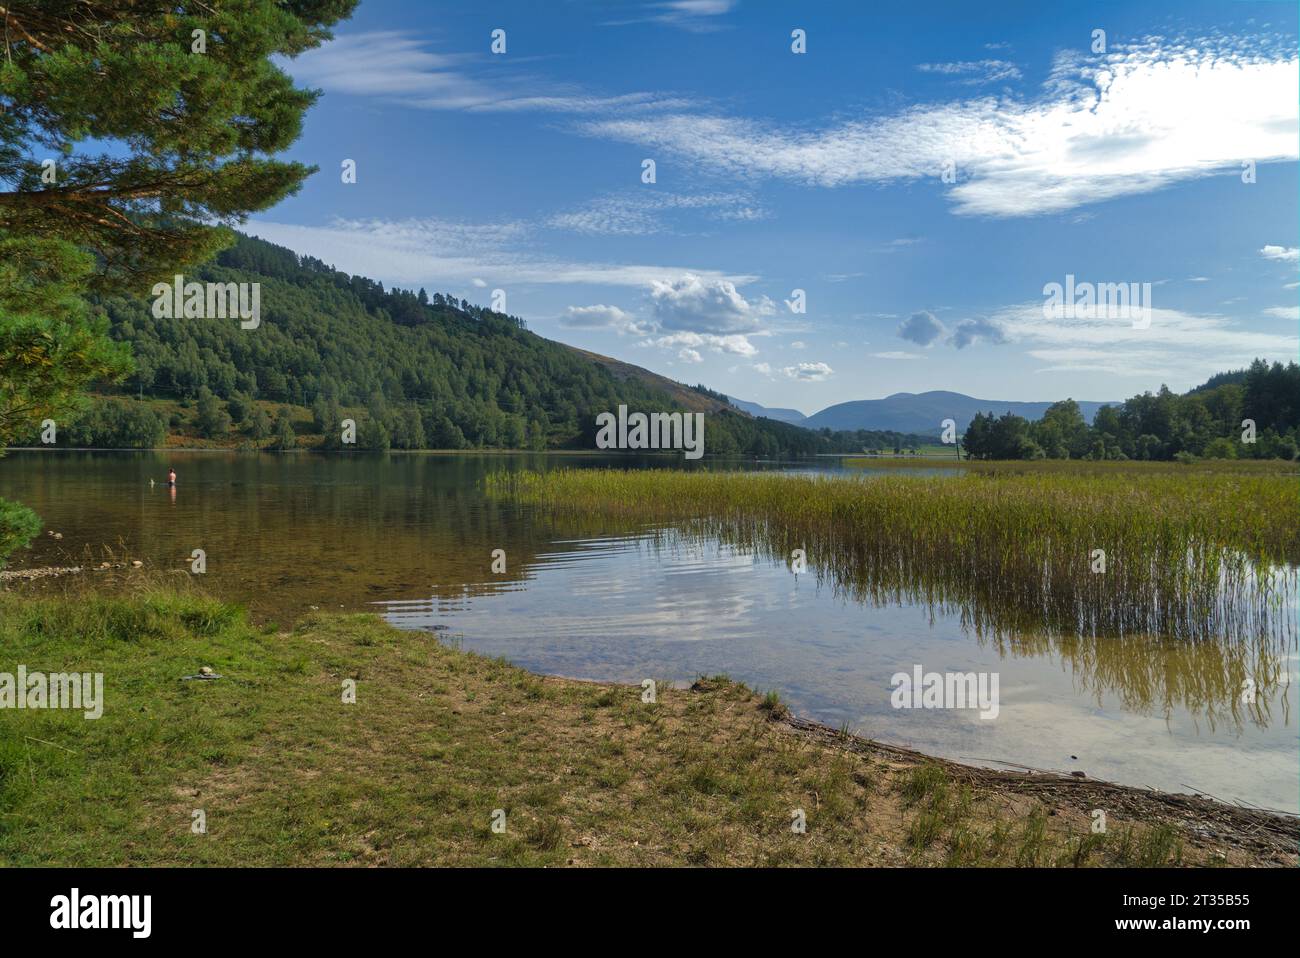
point(412, 535)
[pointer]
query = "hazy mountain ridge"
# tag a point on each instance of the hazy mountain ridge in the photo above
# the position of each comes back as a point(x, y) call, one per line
point(924, 412)
point(792, 416)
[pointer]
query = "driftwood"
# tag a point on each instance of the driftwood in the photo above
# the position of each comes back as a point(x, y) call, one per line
point(1273, 837)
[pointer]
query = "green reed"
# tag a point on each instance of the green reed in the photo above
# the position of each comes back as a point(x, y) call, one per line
point(1190, 553)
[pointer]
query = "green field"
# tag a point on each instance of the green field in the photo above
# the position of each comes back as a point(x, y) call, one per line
point(285, 772)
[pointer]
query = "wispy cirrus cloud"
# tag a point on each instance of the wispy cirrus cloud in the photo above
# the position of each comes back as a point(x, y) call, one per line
point(419, 251)
point(645, 213)
point(897, 355)
point(400, 68)
point(1140, 118)
point(974, 72)
point(1177, 346)
point(698, 16)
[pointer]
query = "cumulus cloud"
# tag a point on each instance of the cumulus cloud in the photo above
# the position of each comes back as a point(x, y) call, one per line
point(689, 313)
point(809, 372)
point(735, 344)
point(1282, 254)
point(921, 328)
point(700, 304)
point(970, 331)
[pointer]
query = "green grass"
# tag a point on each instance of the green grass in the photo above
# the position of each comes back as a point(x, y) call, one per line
point(439, 738)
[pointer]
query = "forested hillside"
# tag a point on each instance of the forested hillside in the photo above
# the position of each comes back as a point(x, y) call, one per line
point(414, 370)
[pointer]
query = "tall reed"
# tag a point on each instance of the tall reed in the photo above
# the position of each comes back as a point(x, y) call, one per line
point(1189, 555)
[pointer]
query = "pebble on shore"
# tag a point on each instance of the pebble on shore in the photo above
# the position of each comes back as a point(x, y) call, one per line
point(29, 575)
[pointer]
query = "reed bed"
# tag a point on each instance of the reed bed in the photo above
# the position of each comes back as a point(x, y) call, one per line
point(1189, 554)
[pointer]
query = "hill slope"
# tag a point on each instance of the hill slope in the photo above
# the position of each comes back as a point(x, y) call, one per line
point(413, 370)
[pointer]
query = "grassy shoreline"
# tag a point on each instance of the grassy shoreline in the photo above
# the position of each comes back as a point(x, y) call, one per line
point(587, 773)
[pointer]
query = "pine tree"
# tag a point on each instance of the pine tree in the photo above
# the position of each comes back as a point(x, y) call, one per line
point(192, 93)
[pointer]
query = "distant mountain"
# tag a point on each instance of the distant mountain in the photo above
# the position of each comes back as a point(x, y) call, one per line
point(793, 416)
point(924, 412)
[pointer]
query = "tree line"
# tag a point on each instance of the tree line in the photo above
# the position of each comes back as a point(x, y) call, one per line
point(1250, 413)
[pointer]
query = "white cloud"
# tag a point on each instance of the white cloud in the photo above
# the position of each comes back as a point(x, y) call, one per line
point(1281, 253)
point(764, 368)
point(646, 212)
point(698, 16)
point(809, 372)
point(396, 66)
point(798, 344)
point(699, 304)
point(599, 316)
point(735, 344)
point(1140, 118)
point(1284, 312)
point(974, 71)
point(417, 252)
point(689, 356)
point(1176, 346)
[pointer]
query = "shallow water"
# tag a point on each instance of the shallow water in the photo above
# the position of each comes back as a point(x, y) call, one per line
point(411, 536)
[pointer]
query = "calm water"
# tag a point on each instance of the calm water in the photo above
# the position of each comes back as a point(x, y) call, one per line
point(411, 536)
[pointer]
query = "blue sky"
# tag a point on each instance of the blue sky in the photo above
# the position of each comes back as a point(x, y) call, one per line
point(824, 171)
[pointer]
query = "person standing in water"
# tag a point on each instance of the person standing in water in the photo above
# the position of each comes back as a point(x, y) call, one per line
point(171, 477)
